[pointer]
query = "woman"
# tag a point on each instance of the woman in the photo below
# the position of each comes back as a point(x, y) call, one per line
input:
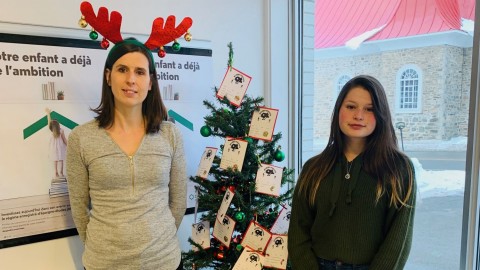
point(126, 170)
point(353, 206)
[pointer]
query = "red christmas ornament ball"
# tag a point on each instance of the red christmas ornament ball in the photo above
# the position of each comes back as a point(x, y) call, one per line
point(105, 44)
point(161, 53)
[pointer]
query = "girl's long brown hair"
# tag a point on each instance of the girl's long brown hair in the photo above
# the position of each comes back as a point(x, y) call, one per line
point(54, 127)
point(381, 157)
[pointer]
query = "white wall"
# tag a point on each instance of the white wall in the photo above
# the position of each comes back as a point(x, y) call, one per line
point(259, 43)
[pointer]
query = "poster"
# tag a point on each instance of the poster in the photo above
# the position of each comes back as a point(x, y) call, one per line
point(34, 71)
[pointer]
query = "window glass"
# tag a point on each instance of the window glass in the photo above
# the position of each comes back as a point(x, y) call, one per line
point(341, 82)
point(409, 90)
point(424, 62)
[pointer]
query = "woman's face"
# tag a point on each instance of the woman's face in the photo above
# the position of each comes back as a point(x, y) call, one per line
point(129, 80)
point(356, 118)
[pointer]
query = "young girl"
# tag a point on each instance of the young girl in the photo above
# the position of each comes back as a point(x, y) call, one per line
point(126, 170)
point(58, 145)
point(353, 206)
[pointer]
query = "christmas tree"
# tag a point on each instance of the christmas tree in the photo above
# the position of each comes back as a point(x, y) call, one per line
point(232, 199)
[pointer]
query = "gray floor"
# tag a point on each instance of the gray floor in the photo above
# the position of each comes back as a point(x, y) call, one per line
point(437, 234)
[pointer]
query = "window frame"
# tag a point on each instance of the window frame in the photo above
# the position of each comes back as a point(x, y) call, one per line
point(339, 87)
point(470, 252)
point(398, 91)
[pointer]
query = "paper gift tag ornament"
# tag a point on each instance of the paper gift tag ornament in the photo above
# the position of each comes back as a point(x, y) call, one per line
point(109, 28)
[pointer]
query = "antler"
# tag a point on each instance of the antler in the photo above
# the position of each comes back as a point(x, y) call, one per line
point(162, 35)
point(110, 29)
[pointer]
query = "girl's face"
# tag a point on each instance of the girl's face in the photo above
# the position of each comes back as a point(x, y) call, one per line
point(356, 118)
point(129, 80)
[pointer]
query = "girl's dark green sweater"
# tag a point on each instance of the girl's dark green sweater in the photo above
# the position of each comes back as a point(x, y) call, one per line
point(346, 223)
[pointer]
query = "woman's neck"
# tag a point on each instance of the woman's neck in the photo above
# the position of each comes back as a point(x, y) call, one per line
point(353, 149)
point(128, 121)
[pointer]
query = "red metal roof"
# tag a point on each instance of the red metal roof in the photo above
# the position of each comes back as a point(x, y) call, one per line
point(467, 9)
point(338, 21)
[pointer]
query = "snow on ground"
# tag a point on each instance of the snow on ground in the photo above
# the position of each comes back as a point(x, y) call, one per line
point(454, 144)
point(438, 183)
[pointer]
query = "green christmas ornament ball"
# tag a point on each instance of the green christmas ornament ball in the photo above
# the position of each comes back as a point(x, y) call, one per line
point(249, 140)
point(176, 46)
point(205, 131)
point(279, 155)
point(93, 35)
point(239, 216)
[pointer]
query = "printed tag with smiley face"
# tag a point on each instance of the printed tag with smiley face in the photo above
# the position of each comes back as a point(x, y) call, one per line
point(206, 162)
point(249, 260)
point(276, 254)
point(234, 86)
point(223, 230)
point(201, 235)
point(227, 199)
point(280, 225)
point(263, 123)
point(256, 237)
point(268, 179)
point(233, 154)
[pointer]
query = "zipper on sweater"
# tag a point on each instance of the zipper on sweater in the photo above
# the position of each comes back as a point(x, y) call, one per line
point(132, 173)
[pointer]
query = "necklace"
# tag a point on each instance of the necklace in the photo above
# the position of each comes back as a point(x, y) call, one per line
point(349, 167)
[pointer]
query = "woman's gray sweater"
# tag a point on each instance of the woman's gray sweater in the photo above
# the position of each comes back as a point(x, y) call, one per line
point(127, 208)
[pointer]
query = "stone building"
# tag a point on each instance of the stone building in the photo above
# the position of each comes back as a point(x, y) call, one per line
point(426, 74)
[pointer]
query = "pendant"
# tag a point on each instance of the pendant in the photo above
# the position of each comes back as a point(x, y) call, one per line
point(347, 176)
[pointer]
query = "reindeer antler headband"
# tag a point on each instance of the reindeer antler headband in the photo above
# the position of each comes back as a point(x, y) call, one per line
point(110, 28)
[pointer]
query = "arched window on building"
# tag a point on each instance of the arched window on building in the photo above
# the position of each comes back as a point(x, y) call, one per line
point(408, 95)
point(341, 81)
